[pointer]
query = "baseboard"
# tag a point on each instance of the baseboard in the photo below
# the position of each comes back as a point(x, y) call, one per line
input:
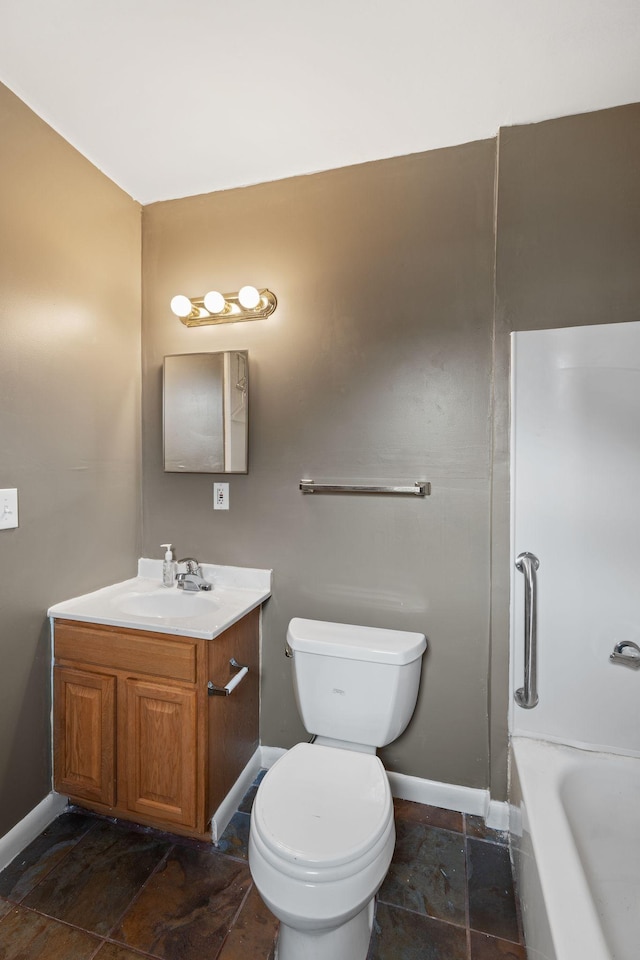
point(269, 755)
point(450, 796)
point(498, 815)
point(30, 827)
point(231, 802)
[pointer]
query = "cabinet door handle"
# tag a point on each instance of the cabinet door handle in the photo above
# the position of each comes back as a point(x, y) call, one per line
point(215, 691)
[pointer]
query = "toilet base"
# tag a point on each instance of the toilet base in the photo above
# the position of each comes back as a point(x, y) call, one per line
point(350, 941)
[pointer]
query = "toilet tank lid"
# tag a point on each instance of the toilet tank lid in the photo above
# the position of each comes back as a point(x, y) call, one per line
point(350, 642)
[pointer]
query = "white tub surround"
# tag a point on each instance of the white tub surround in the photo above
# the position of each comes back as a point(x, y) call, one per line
point(236, 591)
point(576, 843)
point(575, 476)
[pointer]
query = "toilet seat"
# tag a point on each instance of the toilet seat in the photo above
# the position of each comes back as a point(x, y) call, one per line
point(323, 813)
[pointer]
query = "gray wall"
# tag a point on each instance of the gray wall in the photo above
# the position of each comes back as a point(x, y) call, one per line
point(568, 253)
point(384, 360)
point(69, 424)
point(388, 359)
point(375, 366)
point(569, 221)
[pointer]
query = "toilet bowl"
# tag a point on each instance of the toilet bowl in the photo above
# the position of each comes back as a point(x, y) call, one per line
point(322, 831)
point(320, 845)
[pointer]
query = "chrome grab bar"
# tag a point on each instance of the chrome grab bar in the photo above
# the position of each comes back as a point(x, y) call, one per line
point(527, 696)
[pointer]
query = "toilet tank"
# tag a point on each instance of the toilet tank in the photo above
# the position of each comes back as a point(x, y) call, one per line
point(355, 684)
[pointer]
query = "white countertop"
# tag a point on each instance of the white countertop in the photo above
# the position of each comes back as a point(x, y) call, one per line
point(236, 591)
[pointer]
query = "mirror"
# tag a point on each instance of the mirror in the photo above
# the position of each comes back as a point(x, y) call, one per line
point(205, 412)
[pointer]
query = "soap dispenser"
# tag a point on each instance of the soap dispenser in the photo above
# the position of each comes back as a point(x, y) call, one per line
point(168, 567)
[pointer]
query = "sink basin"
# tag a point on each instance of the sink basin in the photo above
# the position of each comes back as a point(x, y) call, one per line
point(143, 603)
point(164, 604)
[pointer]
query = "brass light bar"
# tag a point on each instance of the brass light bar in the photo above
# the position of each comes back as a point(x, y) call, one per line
point(232, 310)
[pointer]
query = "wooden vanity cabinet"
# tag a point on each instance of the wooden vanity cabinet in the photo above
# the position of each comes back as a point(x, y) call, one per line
point(136, 734)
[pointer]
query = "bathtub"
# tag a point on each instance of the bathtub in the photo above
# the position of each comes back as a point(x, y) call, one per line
point(575, 838)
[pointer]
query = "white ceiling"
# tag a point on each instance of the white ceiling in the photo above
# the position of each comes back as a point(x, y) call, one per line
point(177, 97)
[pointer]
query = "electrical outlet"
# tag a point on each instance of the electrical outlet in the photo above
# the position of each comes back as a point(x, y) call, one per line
point(8, 509)
point(221, 496)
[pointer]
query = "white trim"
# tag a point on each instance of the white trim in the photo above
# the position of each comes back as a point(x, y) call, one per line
point(30, 827)
point(498, 815)
point(269, 755)
point(451, 796)
point(231, 802)
point(264, 757)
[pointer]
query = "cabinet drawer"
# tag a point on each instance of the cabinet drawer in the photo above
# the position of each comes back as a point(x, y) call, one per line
point(130, 650)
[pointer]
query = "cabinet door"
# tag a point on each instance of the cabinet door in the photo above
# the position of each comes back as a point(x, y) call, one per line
point(161, 751)
point(84, 734)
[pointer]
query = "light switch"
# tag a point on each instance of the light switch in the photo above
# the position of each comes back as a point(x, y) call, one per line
point(8, 509)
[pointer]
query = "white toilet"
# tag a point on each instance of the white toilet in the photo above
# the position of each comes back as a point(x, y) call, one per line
point(322, 830)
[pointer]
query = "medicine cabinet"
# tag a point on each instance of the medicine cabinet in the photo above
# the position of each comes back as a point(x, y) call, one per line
point(205, 412)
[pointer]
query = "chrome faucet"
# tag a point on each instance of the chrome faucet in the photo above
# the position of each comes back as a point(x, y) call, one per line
point(192, 579)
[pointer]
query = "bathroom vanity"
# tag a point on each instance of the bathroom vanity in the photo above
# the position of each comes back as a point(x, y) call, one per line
point(143, 727)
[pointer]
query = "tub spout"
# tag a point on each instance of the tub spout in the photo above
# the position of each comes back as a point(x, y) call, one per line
point(631, 659)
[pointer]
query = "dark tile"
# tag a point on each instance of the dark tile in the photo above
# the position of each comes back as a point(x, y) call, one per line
point(250, 795)
point(492, 904)
point(476, 827)
point(427, 873)
point(43, 854)
point(247, 800)
point(114, 951)
point(402, 935)
point(186, 909)
point(99, 877)
point(29, 936)
point(235, 839)
point(254, 932)
point(433, 816)
point(484, 947)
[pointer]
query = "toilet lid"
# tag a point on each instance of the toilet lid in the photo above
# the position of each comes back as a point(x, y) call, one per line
point(323, 806)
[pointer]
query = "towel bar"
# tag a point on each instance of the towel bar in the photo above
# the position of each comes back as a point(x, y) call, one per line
point(421, 488)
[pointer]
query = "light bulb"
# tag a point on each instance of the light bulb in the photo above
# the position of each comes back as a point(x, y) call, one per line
point(181, 305)
point(214, 301)
point(249, 297)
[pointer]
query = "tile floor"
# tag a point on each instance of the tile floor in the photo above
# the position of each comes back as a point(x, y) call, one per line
point(89, 888)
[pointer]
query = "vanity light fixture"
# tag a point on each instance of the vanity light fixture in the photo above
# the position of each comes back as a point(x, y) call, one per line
point(248, 304)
